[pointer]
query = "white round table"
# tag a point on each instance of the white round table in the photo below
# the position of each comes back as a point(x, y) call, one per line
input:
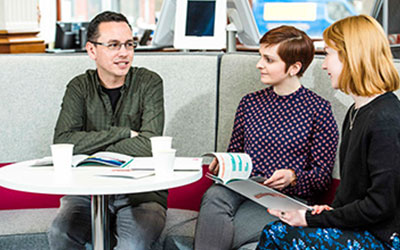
point(89, 181)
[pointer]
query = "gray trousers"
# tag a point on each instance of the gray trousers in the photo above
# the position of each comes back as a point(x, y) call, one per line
point(228, 220)
point(131, 227)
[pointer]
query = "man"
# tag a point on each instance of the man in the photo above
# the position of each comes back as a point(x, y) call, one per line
point(114, 108)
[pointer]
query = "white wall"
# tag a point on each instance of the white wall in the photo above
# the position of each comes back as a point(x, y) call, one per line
point(18, 15)
point(48, 11)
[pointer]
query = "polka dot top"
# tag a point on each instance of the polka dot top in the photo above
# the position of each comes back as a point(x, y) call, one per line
point(296, 131)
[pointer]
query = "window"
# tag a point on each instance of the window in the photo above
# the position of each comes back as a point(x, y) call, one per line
point(337, 10)
point(141, 14)
point(311, 16)
point(290, 11)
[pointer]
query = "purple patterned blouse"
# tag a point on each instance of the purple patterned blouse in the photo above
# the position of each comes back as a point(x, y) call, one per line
point(297, 132)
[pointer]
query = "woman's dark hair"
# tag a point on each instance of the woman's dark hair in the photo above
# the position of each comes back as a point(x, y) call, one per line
point(294, 46)
point(106, 16)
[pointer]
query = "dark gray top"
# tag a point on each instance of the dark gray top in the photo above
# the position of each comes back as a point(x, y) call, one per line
point(88, 121)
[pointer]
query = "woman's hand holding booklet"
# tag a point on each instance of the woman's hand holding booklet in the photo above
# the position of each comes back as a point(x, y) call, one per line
point(227, 167)
point(233, 171)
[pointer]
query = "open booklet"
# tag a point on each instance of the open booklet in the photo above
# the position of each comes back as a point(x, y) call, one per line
point(232, 166)
point(118, 160)
point(100, 158)
point(234, 172)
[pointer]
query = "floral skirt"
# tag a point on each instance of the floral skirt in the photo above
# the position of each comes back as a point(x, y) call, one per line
point(278, 235)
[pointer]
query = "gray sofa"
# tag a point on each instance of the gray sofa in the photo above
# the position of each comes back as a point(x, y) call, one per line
point(202, 91)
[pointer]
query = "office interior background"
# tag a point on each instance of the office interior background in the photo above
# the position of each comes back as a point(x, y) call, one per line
point(195, 107)
point(144, 14)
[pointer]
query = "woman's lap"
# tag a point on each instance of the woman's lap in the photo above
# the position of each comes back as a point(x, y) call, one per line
point(278, 235)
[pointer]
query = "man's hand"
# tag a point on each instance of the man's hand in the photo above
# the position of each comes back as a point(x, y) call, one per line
point(134, 133)
point(214, 167)
point(296, 218)
point(280, 179)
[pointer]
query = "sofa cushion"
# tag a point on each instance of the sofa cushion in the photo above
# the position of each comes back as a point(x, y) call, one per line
point(189, 98)
point(178, 242)
point(26, 229)
point(179, 229)
point(185, 197)
point(23, 228)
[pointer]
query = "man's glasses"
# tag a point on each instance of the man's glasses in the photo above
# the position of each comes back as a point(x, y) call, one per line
point(129, 45)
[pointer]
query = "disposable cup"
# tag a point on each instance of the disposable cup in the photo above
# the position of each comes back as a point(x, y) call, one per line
point(164, 162)
point(160, 143)
point(62, 157)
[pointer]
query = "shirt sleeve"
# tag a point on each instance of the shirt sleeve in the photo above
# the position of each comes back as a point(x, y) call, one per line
point(71, 121)
point(382, 196)
point(236, 143)
point(152, 121)
point(317, 175)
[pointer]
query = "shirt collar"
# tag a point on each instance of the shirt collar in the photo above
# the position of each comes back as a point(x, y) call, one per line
point(126, 83)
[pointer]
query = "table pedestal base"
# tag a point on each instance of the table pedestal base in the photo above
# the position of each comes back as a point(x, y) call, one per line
point(100, 223)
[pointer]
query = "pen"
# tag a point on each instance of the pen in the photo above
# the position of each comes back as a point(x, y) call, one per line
point(127, 163)
point(152, 169)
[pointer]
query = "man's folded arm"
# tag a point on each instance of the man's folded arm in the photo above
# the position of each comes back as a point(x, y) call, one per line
point(71, 123)
point(152, 122)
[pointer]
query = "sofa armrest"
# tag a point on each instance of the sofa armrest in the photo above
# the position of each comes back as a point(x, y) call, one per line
point(185, 197)
point(328, 196)
point(189, 196)
point(12, 199)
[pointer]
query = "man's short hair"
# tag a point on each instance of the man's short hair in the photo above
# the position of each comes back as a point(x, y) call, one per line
point(106, 16)
point(294, 46)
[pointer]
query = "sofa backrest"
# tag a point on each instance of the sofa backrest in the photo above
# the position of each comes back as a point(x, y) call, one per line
point(201, 90)
point(239, 76)
point(190, 94)
point(32, 87)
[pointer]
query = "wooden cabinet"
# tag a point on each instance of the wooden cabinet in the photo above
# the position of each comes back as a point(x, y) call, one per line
point(21, 42)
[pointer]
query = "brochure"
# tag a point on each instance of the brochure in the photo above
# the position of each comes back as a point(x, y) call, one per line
point(100, 158)
point(234, 172)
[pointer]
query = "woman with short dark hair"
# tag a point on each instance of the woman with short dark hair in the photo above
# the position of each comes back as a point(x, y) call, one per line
point(289, 133)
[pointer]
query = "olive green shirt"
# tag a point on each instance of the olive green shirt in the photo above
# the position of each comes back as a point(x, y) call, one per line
point(87, 120)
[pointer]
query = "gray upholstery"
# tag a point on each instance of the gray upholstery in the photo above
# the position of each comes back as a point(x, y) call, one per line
point(32, 87)
point(247, 80)
point(240, 76)
point(190, 98)
point(26, 229)
point(198, 87)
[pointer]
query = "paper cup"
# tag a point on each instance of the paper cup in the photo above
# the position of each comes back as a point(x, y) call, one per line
point(164, 162)
point(62, 157)
point(160, 143)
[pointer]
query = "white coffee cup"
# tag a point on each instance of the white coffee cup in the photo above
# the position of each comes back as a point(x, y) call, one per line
point(62, 157)
point(164, 162)
point(159, 143)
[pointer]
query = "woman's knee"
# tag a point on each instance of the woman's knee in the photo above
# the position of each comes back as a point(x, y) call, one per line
point(216, 193)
